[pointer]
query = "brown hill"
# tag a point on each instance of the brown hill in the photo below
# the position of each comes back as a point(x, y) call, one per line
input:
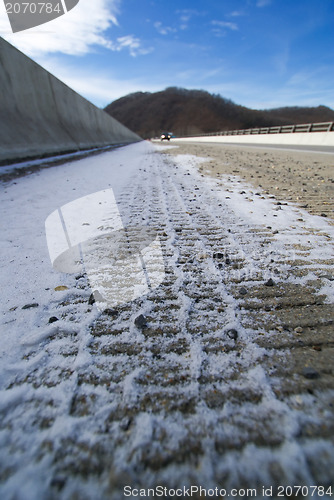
point(186, 112)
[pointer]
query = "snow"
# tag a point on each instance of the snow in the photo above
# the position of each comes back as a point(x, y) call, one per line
point(291, 225)
point(26, 272)
point(27, 278)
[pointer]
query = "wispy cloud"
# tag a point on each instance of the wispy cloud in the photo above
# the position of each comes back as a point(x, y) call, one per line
point(263, 3)
point(280, 60)
point(132, 44)
point(100, 86)
point(311, 78)
point(225, 24)
point(303, 89)
point(189, 12)
point(163, 30)
point(236, 13)
point(185, 16)
point(75, 33)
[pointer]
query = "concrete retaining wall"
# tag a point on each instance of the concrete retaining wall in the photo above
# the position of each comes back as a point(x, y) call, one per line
point(40, 115)
point(293, 139)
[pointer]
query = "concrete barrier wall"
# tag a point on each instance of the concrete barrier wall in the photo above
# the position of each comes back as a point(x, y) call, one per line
point(40, 115)
point(293, 139)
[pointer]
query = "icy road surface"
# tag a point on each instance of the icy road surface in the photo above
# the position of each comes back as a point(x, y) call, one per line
point(222, 375)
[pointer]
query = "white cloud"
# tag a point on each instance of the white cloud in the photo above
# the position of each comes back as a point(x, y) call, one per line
point(225, 24)
point(131, 43)
point(163, 30)
point(73, 33)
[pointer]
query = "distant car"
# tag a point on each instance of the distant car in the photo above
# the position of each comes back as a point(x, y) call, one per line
point(165, 136)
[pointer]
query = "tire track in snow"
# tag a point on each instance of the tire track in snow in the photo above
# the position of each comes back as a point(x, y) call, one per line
point(200, 395)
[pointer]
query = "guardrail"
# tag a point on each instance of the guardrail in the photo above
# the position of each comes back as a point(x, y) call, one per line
point(283, 129)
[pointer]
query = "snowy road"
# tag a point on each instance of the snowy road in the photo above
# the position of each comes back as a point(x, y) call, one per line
point(221, 376)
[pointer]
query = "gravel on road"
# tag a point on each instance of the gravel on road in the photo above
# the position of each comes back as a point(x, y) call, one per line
point(306, 179)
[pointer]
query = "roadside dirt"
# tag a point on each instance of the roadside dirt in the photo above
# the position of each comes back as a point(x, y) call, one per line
point(306, 179)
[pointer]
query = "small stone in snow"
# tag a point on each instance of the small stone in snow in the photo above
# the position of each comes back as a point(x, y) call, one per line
point(125, 423)
point(310, 373)
point(243, 291)
point(58, 482)
point(29, 306)
point(233, 334)
point(53, 319)
point(95, 297)
point(140, 321)
point(270, 282)
point(327, 276)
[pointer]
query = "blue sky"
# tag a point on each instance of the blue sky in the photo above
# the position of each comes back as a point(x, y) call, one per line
point(259, 53)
